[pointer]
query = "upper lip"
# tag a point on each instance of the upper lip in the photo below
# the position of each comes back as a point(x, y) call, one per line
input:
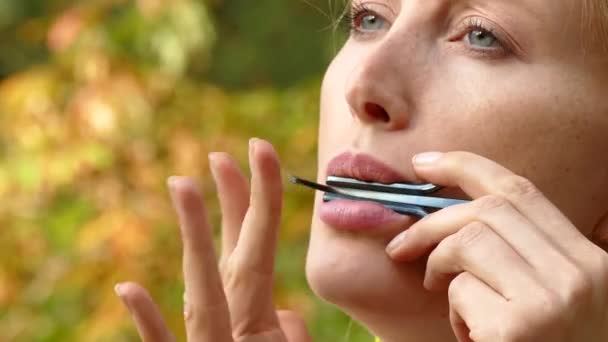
point(363, 167)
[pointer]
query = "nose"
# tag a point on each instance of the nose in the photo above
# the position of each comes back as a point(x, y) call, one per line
point(376, 89)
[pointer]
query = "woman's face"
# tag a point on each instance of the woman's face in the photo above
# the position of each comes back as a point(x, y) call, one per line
point(518, 82)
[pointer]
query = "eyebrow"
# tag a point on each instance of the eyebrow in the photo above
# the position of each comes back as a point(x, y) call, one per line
point(533, 10)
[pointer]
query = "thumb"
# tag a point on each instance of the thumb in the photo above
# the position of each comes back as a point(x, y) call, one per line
point(293, 326)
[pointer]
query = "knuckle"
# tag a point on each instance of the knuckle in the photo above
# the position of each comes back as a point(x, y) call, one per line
point(578, 287)
point(231, 274)
point(199, 318)
point(490, 202)
point(519, 186)
point(189, 315)
point(547, 302)
point(471, 234)
point(548, 306)
point(437, 257)
point(480, 334)
point(456, 288)
point(550, 310)
point(240, 276)
point(457, 159)
point(234, 274)
point(598, 261)
point(194, 315)
point(448, 249)
point(601, 268)
point(514, 329)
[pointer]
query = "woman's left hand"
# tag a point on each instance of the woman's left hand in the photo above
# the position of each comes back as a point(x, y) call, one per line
point(515, 268)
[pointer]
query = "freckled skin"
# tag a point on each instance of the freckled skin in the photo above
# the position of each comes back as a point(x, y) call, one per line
point(545, 118)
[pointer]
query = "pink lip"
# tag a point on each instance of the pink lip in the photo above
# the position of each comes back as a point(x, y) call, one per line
point(359, 215)
point(363, 167)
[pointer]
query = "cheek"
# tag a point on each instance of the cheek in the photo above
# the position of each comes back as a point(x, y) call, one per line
point(498, 110)
point(334, 111)
point(543, 123)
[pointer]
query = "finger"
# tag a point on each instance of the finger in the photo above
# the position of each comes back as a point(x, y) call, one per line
point(146, 315)
point(497, 214)
point(249, 280)
point(478, 177)
point(478, 250)
point(293, 326)
point(257, 243)
point(207, 317)
point(459, 326)
point(233, 194)
point(470, 302)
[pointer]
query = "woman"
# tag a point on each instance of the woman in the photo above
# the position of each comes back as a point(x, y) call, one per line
point(518, 85)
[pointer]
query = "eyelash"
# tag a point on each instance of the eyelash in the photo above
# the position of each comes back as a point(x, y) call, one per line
point(470, 24)
point(473, 24)
point(350, 18)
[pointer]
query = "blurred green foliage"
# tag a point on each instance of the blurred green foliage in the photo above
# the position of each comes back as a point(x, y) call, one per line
point(101, 101)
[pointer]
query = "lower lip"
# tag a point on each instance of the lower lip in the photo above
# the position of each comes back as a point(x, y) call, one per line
point(358, 215)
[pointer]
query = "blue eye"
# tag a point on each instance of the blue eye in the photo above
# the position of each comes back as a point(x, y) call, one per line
point(369, 22)
point(482, 38)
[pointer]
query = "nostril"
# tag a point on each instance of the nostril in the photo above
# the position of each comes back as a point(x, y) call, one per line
point(376, 111)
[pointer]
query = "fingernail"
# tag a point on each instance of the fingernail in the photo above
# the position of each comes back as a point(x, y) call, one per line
point(212, 156)
point(120, 292)
point(173, 184)
point(427, 158)
point(252, 143)
point(171, 181)
point(119, 289)
point(212, 160)
point(396, 242)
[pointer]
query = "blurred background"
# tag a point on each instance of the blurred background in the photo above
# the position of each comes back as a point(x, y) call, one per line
point(102, 100)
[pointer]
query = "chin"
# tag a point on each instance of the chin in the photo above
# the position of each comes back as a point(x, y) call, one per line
point(353, 272)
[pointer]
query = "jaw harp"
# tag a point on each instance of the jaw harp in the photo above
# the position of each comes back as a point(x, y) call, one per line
point(403, 198)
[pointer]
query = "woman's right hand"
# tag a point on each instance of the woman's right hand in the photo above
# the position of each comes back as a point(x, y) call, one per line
point(232, 303)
